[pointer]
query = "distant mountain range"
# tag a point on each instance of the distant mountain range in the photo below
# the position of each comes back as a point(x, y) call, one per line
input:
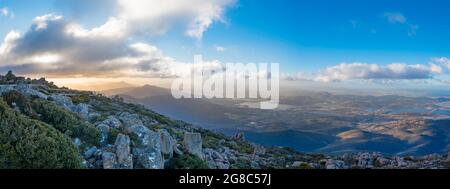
point(312, 122)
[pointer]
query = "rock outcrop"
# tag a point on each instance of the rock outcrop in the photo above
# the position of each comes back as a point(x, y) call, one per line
point(193, 144)
point(167, 143)
point(123, 152)
point(147, 152)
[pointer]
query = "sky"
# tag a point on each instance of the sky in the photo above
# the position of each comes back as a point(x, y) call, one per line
point(313, 40)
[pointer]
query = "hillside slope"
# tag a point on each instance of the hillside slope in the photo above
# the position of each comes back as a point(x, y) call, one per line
point(43, 126)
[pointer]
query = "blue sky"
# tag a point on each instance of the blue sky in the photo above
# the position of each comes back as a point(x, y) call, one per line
point(303, 36)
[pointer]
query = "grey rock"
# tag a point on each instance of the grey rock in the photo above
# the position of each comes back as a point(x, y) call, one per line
point(148, 158)
point(193, 143)
point(335, 164)
point(81, 110)
point(382, 162)
point(104, 132)
point(25, 89)
point(365, 160)
point(30, 91)
point(146, 137)
point(147, 154)
point(62, 100)
point(297, 163)
point(109, 160)
point(77, 142)
point(123, 152)
point(90, 152)
point(215, 160)
point(167, 143)
point(112, 122)
point(129, 120)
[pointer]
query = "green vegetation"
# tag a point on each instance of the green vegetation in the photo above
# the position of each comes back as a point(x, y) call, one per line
point(113, 135)
point(82, 98)
point(187, 162)
point(31, 144)
point(305, 166)
point(14, 98)
point(66, 122)
point(242, 147)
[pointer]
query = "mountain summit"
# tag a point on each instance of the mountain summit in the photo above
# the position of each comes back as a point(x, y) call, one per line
point(43, 126)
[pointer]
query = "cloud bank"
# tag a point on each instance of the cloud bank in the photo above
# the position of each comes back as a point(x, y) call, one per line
point(56, 46)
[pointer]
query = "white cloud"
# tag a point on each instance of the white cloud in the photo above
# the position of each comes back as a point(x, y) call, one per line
point(300, 76)
point(157, 16)
point(219, 48)
point(443, 61)
point(395, 17)
point(399, 18)
point(55, 46)
point(6, 12)
point(395, 71)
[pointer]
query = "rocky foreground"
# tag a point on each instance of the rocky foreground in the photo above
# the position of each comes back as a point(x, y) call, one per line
point(44, 126)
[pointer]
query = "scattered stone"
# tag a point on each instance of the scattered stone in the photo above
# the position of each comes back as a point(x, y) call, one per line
point(215, 159)
point(90, 152)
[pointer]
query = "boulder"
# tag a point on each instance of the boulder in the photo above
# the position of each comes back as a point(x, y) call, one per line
point(81, 110)
point(145, 136)
point(335, 164)
point(382, 162)
point(109, 160)
point(123, 153)
point(148, 158)
point(167, 143)
point(62, 100)
point(297, 163)
point(90, 152)
point(104, 132)
point(147, 154)
point(112, 122)
point(193, 143)
point(365, 160)
point(30, 91)
point(129, 120)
